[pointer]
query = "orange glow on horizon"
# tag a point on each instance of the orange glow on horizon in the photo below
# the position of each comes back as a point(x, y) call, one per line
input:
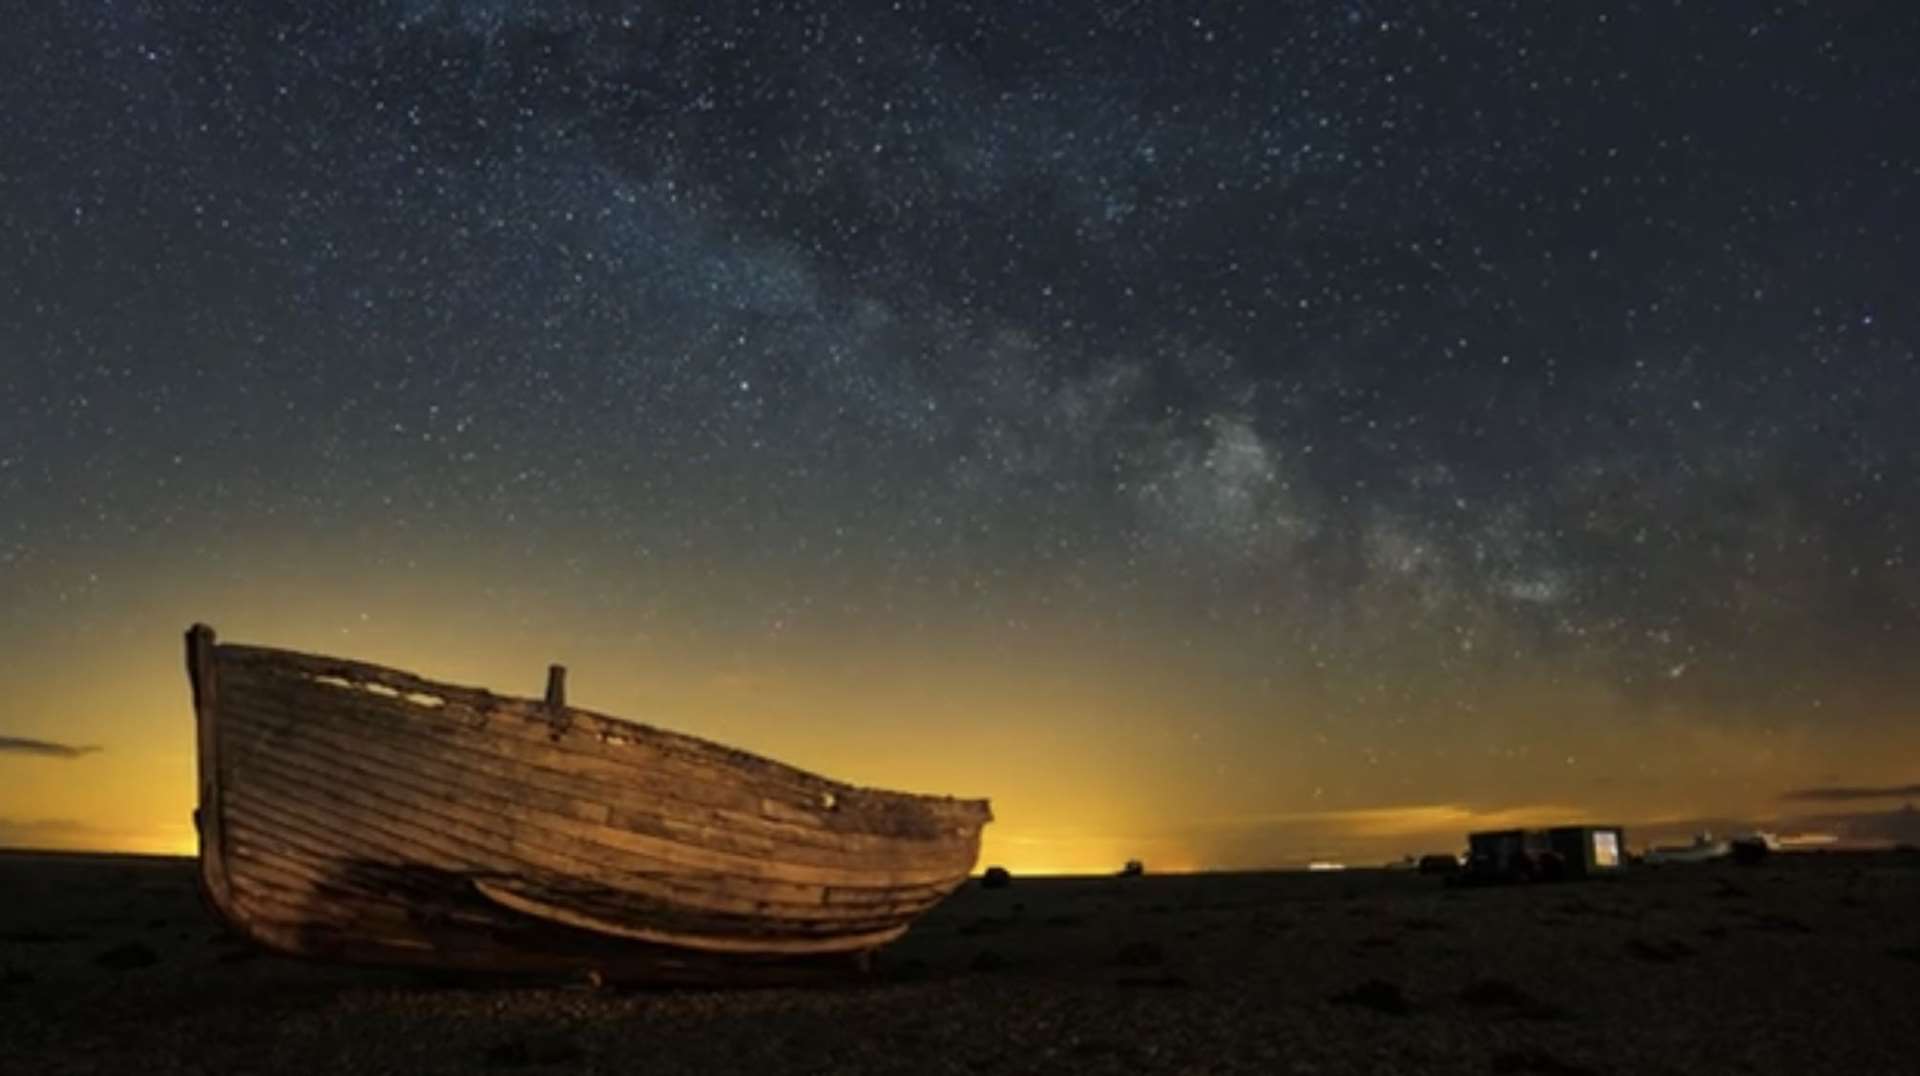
point(1093, 751)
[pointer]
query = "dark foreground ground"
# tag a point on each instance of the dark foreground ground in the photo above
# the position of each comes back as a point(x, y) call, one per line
point(1804, 964)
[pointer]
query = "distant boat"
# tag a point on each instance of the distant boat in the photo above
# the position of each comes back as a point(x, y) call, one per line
point(358, 813)
point(1703, 849)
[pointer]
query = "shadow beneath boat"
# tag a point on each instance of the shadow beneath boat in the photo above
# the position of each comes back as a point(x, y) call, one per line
point(443, 926)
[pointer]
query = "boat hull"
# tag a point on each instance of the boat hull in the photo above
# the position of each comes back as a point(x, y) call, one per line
point(354, 812)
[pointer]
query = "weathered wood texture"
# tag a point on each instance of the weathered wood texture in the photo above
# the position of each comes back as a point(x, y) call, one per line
point(362, 813)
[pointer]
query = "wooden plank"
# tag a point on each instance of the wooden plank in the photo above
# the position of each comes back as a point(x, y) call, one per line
point(487, 821)
point(534, 733)
point(263, 852)
point(256, 859)
point(763, 861)
point(270, 881)
point(590, 730)
point(465, 766)
point(545, 767)
point(387, 926)
point(532, 904)
point(314, 832)
point(454, 770)
point(372, 835)
point(640, 790)
point(439, 839)
point(533, 862)
point(617, 907)
point(617, 902)
point(501, 733)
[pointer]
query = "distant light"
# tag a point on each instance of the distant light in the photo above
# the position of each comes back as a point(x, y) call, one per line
point(1324, 865)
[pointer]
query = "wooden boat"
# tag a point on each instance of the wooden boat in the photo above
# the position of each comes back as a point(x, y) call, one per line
point(354, 812)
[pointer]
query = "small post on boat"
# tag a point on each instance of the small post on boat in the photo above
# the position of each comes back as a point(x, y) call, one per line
point(558, 720)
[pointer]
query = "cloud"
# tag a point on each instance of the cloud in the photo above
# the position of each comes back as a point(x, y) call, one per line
point(48, 833)
point(1405, 820)
point(1901, 826)
point(20, 746)
point(1849, 795)
point(175, 837)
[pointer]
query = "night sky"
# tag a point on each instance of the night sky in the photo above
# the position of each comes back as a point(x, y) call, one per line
point(1224, 434)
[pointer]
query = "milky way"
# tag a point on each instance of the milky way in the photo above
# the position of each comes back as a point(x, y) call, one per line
point(1409, 384)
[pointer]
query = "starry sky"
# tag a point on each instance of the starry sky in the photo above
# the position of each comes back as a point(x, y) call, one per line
point(1223, 434)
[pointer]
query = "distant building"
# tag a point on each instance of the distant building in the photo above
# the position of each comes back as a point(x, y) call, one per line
point(1525, 855)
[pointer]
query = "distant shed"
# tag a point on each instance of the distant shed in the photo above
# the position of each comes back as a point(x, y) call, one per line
point(1546, 854)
